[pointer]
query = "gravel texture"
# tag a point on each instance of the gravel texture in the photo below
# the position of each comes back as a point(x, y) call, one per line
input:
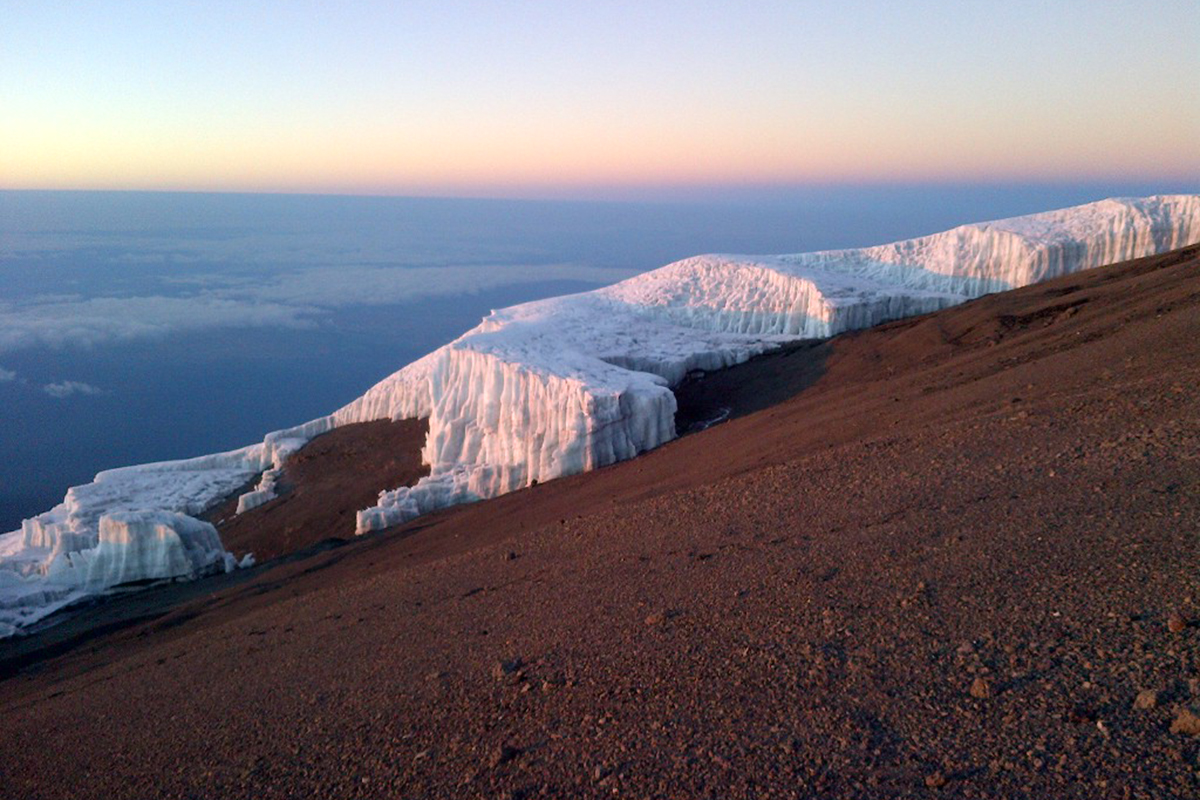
point(962, 561)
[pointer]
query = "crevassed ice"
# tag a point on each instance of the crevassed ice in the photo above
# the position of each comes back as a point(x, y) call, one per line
point(560, 386)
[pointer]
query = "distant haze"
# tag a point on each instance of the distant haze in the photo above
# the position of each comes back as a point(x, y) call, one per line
point(616, 100)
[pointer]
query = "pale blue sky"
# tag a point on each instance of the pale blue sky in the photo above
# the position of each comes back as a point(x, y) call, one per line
point(562, 98)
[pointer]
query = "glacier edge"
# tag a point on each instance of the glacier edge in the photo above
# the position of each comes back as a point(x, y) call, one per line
point(564, 385)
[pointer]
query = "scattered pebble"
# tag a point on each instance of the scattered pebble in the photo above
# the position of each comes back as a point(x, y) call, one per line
point(981, 688)
point(1175, 622)
point(935, 780)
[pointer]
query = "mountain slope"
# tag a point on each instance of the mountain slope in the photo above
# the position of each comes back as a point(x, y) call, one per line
point(951, 562)
point(561, 386)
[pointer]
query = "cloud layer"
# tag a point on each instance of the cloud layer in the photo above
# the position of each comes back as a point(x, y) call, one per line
point(292, 299)
point(97, 320)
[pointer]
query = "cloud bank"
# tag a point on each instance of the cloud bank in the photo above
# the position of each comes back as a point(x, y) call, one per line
point(100, 320)
point(292, 299)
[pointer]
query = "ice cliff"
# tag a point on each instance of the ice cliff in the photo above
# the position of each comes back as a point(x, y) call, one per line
point(560, 386)
point(569, 384)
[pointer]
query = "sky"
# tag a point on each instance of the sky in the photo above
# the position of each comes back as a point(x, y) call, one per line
point(592, 99)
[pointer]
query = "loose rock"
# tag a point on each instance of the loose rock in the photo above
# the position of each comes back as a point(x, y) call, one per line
point(1186, 723)
point(1146, 699)
point(503, 754)
point(509, 669)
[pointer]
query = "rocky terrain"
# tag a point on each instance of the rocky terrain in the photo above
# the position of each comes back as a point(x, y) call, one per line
point(951, 556)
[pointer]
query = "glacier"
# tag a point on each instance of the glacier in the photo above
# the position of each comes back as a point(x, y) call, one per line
point(564, 385)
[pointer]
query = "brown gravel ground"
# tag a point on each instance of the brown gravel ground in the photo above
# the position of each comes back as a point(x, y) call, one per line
point(324, 484)
point(961, 562)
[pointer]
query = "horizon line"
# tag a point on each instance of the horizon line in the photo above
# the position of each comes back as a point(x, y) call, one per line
point(651, 193)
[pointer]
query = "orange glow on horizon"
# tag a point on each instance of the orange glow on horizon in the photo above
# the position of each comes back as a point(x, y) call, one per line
point(458, 162)
point(447, 99)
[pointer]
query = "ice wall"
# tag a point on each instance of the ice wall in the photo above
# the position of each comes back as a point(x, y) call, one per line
point(128, 525)
point(564, 385)
point(573, 383)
